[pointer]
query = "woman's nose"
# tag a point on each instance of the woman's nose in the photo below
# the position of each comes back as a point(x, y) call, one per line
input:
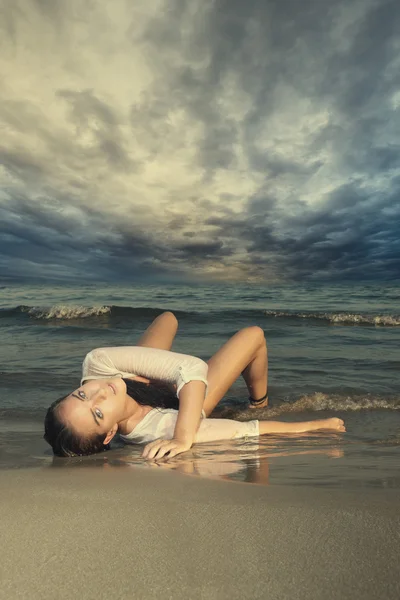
point(101, 394)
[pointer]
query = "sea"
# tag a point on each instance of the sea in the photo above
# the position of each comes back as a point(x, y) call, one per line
point(334, 350)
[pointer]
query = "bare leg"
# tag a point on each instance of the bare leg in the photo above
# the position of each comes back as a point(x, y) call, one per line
point(244, 354)
point(301, 427)
point(161, 333)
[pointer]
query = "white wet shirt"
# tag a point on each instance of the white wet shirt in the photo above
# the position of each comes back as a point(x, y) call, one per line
point(169, 367)
point(160, 423)
point(152, 363)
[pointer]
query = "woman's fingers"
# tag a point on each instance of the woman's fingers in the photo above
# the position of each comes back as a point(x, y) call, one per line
point(151, 449)
point(160, 448)
point(142, 379)
point(163, 451)
point(174, 452)
point(156, 449)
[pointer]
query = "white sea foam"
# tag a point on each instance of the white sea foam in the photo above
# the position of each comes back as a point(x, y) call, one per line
point(340, 318)
point(315, 402)
point(67, 312)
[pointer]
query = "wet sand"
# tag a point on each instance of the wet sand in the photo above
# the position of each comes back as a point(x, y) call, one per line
point(154, 534)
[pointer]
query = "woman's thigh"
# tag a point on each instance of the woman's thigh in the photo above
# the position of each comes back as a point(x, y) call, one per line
point(161, 333)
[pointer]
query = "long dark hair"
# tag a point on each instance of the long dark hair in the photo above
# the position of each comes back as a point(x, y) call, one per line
point(65, 442)
point(147, 394)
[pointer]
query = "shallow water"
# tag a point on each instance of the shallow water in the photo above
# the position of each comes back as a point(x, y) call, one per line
point(334, 351)
point(366, 456)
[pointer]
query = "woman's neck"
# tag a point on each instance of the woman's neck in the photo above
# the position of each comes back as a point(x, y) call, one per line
point(134, 413)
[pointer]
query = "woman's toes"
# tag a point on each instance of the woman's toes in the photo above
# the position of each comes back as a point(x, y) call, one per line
point(338, 424)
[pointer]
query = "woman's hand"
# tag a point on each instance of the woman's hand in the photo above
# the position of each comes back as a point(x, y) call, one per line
point(142, 379)
point(160, 448)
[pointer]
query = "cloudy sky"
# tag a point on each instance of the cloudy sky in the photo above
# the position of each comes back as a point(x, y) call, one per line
point(255, 140)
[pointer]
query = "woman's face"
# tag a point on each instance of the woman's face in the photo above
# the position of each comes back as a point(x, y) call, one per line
point(95, 407)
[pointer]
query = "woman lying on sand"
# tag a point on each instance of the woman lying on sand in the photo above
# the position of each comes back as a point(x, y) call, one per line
point(151, 395)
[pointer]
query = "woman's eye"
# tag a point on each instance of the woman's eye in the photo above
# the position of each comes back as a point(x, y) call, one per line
point(81, 394)
point(98, 413)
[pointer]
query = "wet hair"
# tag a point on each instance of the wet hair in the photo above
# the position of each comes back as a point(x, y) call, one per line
point(66, 442)
point(63, 439)
point(146, 394)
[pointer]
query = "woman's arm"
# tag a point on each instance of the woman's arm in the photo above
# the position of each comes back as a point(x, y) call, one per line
point(188, 373)
point(191, 402)
point(151, 363)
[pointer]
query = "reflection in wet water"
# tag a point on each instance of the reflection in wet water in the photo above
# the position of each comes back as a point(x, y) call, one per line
point(366, 456)
point(248, 461)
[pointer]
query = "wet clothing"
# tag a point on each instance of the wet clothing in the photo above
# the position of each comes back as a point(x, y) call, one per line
point(169, 367)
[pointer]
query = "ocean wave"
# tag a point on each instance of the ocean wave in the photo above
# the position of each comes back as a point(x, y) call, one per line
point(58, 311)
point(315, 402)
point(339, 318)
point(309, 403)
point(74, 312)
point(66, 312)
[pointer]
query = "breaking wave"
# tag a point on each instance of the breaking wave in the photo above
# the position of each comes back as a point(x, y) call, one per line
point(72, 312)
point(66, 312)
point(315, 402)
point(339, 318)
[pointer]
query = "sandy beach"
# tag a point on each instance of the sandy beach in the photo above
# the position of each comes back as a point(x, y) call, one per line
point(144, 533)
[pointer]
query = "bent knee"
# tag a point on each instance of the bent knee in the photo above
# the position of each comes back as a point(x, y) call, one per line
point(256, 333)
point(169, 316)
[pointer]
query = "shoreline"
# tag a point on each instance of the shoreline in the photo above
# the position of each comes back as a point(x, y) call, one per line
point(343, 461)
point(149, 533)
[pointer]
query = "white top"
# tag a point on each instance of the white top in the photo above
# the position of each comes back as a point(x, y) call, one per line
point(170, 367)
point(160, 423)
point(152, 363)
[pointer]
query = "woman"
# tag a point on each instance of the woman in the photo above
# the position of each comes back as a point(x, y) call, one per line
point(134, 391)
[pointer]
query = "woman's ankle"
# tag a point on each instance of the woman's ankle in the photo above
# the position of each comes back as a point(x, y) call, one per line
point(258, 402)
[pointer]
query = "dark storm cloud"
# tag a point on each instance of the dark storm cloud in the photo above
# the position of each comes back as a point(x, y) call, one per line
point(357, 77)
point(354, 237)
point(282, 117)
point(186, 86)
point(114, 252)
point(205, 249)
point(255, 41)
point(269, 43)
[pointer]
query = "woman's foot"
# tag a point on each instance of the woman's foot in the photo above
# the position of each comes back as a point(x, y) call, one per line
point(333, 424)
